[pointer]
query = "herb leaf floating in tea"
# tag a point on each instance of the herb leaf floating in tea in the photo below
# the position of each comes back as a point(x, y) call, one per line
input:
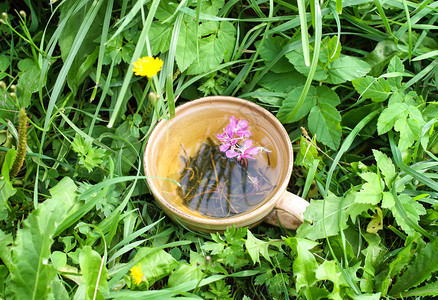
point(218, 181)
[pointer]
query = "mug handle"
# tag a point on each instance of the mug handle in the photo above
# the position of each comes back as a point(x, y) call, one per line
point(288, 212)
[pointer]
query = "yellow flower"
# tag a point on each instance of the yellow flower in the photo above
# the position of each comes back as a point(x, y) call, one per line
point(147, 66)
point(136, 274)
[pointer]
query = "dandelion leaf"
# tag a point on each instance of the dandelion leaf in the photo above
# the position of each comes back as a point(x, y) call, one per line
point(322, 223)
point(155, 264)
point(421, 269)
point(93, 272)
point(304, 265)
point(32, 275)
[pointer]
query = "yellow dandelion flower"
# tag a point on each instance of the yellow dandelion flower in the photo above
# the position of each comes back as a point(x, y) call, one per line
point(147, 66)
point(136, 274)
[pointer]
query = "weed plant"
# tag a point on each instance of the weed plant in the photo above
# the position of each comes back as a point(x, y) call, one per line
point(354, 82)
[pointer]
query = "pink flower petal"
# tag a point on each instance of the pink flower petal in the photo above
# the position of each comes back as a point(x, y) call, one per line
point(224, 147)
point(231, 153)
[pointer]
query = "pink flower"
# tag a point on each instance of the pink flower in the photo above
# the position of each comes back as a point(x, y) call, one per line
point(236, 132)
point(238, 127)
point(247, 151)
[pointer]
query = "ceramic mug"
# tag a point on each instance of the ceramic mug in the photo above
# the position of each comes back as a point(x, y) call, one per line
point(205, 117)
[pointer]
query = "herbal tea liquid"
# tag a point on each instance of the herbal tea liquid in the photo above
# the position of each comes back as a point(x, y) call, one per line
point(214, 185)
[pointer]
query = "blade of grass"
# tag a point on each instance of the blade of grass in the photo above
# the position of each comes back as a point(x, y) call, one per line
point(127, 20)
point(317, 48)
point(339, 6)
point(384, 18)
point(304, 33)
point(138, 49)
point(408, 22)
point(338, 26)
point(170, 65)
point(310, 176)
point(105, 28)
point(430, 68)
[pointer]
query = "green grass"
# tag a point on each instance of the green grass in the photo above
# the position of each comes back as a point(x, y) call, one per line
point(359, 77)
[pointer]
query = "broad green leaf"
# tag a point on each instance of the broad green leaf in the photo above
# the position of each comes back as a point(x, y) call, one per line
point(186, 49)
point(5, 249)
point(282, 82)
point(429, 289)
point(272, 98)
point(413, 210)
point(155, 264)
point(368, 87)
point(58, 291)
point(381, 55)
point(307, 153)
point(211, 54)
point(421, 269)
point(409, 130)
point(395, 267)
point(330, 49)
point(319, 222)
point(272, 46)
point(185, 273)
point(94, 273)
point(328, 270)
point(304, 265)
point(113, 50)
point(296, 58)
point(33, 274)
point(373, 255)
point(255, 247)
point(6, 191)
point(66, 190)
point(4, 64)
point(28, 81)
point(69, 35)
point(388, 200)
point(214, 49)
point(326, 95)
point(346, 68)
point(371, 192)
point(368, 296)
point(127, 141)
point(291, 101)
point(354, 209)
point(165, 10)
point(395, 65)
point(211, 7)
point(389, 116)
point(227, 37)
point(324, 121)
point(376, 222)
point(159, 37)
point(385, 165)
point(59, 259)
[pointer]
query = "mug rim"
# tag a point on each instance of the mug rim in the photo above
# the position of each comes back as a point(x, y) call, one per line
point(253, 216)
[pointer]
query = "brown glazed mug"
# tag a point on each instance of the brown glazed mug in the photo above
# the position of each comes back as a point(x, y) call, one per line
point(205, 117)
